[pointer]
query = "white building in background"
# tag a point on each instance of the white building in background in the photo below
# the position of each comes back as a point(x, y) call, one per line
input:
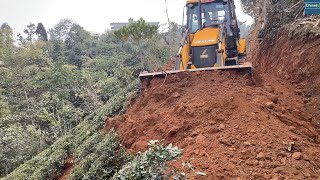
point(119, 25)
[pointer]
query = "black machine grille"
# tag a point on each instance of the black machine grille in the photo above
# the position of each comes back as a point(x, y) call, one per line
point(203, 57)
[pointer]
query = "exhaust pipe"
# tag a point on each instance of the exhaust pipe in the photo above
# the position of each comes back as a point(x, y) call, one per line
point(200, 15)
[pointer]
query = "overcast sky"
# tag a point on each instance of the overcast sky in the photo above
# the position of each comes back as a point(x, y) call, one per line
point(93, 15)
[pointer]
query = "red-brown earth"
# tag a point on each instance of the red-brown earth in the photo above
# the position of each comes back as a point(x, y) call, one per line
point(235, 126)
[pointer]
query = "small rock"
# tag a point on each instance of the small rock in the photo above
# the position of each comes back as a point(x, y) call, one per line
point(140, 146)
point(307, 175)
point(306, 100)
point(270, 89)
point(220, 119)
point(270, 105)
point(176, 95)
point(274, 99)
point(189, 140)
point(279, 170)
point(214, 130)
point(197, 152)
point(293, 137)
point(201, 139)
point(222, 127)
point(263, 143)
point(205, 166)
point(194, 133)
point(173, 131)
point(298, 92)
point(207, 110)
point(225, 141)
point(255, 163)
point(249, 162)
point(292, 128)
point(297, 155)
point(283, 161)
point(262, 164)
point(252, 162)
point(261, 156)
point(247, 143)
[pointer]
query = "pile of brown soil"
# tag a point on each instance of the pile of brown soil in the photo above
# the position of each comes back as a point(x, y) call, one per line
point(230, 125)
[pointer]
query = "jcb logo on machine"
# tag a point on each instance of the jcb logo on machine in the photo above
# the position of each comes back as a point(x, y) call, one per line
point(204, 54)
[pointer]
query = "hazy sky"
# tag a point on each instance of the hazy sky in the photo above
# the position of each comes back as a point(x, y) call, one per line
point(94, 15)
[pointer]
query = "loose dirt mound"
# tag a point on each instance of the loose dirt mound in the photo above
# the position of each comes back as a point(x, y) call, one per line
point(230, 125)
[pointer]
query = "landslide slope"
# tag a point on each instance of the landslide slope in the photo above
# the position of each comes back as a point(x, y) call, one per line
point(229, 125)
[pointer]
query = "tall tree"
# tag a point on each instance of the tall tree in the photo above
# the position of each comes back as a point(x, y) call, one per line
point(77, 44)
point(137, 31)
point(30, 31)
point(41, 32)
point(61, 30)
point(6, 41)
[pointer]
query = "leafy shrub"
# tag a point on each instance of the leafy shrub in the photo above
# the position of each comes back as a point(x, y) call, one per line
point(152, 164)
point(102, 160)
point(86, 142)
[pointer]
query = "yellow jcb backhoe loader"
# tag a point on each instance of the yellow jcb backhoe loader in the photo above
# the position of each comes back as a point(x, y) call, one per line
point(211, 40)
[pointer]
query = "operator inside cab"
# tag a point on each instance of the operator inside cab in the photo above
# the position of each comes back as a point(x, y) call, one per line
point(213, 14)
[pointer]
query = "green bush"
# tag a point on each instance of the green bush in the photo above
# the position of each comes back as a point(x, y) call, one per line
point(102, 160)
point(84, 142)
point(152, 164)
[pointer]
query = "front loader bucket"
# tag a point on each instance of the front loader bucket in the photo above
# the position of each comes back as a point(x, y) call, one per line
point(246, 67)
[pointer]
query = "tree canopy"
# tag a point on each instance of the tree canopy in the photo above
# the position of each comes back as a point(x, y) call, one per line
point(53, 81)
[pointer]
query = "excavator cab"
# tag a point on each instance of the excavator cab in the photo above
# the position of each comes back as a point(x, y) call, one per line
point(212, 15)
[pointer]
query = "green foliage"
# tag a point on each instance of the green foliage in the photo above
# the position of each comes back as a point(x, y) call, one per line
point(152, 164)
point(61, 30)
point(6, 42)
point(84, 142)
point(18, 143)
point(44, 164)
point(100, 160)
point(274, 14)
point(30, 31)
point(249, 7)
point(305, 31)
point(50, 90)
point(41, 32)
point(137, 31)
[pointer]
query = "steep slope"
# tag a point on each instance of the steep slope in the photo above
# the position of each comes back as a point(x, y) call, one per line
point(295, 60)
point(229, 125)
